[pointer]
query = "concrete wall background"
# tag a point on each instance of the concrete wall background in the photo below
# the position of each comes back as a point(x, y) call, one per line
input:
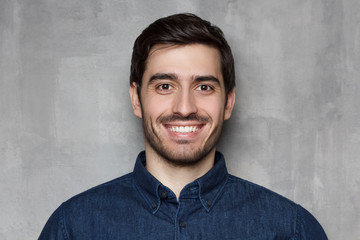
point(66, 123)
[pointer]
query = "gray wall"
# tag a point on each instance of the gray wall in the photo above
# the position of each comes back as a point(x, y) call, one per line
point(66, 122)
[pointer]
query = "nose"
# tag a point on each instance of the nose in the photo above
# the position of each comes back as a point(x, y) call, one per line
point(184, 103)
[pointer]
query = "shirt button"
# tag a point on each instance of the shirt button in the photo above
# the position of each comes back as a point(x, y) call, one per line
point(182, 224)
point(164, 195)
point(154, 206)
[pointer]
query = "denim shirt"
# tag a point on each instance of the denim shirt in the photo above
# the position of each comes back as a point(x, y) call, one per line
point(214, 206)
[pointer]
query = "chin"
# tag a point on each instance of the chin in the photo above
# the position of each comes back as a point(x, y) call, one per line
point(183, 158)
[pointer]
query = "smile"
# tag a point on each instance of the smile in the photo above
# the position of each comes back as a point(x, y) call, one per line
point(183, 129)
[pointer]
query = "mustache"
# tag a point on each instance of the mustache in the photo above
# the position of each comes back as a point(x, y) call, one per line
point(177, 117)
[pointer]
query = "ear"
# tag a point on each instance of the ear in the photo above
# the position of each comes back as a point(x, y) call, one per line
point(229, 104)
point(135, 100)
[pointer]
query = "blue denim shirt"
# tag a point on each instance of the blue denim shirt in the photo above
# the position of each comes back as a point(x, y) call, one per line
point(215, 206)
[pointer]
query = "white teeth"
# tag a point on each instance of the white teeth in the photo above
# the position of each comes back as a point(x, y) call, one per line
point(182, 129)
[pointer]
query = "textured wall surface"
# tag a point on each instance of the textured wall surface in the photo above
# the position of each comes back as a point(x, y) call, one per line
point(66, 123)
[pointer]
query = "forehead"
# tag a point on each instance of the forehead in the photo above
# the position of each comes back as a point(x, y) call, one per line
point(184, 60)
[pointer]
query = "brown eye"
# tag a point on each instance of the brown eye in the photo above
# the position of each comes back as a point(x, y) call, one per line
point(204, 87)
point(164, 87)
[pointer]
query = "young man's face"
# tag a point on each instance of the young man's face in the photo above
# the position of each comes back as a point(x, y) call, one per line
point(182, 102)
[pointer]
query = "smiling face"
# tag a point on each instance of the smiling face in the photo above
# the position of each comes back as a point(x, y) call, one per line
point(182, 102)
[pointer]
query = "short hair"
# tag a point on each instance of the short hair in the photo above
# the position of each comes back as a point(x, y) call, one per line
point(181, 29)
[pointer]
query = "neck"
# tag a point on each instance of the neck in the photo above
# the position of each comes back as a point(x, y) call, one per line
point(176, 177)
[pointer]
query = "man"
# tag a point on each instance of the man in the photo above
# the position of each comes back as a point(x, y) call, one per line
point(182, 87)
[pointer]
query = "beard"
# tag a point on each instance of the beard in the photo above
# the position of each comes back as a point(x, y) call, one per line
point(185, 154)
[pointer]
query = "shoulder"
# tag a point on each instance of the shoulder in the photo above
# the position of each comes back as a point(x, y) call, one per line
point(119, 183)
point(264, 203)
point(308, 227)
point(104, 202)
point(255, 192)
point(109, 191)
point(112, 195)
point(260, 201)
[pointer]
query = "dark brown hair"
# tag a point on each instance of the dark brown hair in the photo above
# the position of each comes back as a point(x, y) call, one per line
point(181, 29)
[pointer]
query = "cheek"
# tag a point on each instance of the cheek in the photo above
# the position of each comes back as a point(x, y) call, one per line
point(155, 107)
point(213, 108)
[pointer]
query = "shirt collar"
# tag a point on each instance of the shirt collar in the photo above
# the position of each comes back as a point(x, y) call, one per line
point(207, 188)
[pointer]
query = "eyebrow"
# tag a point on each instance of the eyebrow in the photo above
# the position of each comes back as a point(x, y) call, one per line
point(162, 76)
point(207, 78)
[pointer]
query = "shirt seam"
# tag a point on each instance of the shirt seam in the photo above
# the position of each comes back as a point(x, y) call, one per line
point(176, 219)
point(297, 230)
point(63, 224)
